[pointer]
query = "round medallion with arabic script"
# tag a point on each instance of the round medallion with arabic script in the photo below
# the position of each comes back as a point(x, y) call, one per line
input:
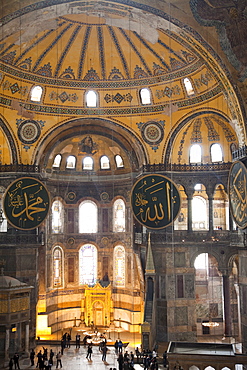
point(26, 203)
point(155, 201)
point(28, 131)
point(237, 190)
point(152, 133)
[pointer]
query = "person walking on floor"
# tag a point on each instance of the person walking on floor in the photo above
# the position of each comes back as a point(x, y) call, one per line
point(59, 359)
point(104, 352)
point(32, 355)
point(89, 352)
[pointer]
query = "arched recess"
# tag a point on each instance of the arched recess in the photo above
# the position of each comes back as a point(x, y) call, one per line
point(204, 127)
point(122, 136)
point(9, 151)
point(181, 221)
point(220, 208)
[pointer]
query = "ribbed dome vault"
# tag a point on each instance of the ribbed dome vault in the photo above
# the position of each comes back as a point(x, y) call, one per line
point(83, 47)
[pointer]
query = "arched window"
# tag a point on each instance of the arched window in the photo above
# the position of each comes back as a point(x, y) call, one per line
point(87, 163)
point(57, 217)
point(188, 87)
point(199, 213)
point(145, 96)
point(71, 161)
point(57, 266)
point(3, 219)
point(91, 99)
point(88, 217)
point(198, 187)
point(36, 93)
point(88, 264)
point(195, 153)
point(119, 216)
point(119, 161)
point(216, 153)
point(57, 161)
point(104, 163)
point(119, 266)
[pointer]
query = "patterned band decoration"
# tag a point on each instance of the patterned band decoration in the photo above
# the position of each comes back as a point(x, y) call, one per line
point(237, 190)
point(155, 201)
point(26, 203)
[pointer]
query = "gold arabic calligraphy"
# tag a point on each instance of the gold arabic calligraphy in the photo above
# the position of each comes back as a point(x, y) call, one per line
point(26, 201)
point(238, 192)
point(161, 202)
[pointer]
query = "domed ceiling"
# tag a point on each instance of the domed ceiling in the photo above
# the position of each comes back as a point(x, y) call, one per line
point(84, 47)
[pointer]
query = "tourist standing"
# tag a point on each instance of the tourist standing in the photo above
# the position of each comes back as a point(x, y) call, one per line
point(89, 352)
point(59, 359)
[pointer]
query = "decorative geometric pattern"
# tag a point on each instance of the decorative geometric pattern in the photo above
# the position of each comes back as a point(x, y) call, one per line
point(91, 75)
point(182, 141)
point(71, 196)
point(104, 196)
point(228, 134)
point(115, 74)
point(14, 88)
point(152, 133)
point(167, 91)
point(23, 75)
point(28, 132)
point(63, 97)
point(139, 73)
point(212, 133)
point(196, 136)
point(203, 80)
point(45, 70)
point(118, 98)
point(68, 73)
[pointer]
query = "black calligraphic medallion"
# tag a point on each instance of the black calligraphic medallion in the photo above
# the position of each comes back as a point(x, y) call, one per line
point(237, 189)
point(26, 203)
point(155, 201)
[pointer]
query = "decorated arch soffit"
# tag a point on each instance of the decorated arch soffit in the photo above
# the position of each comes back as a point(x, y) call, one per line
point(204, 127)
point(109, 134)
point(8, 149)
point(161, 49)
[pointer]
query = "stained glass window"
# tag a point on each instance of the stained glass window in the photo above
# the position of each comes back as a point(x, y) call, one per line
point(88, 264)
point(119, 266)
point(57, 266)
point(57, 217)
point(88, 217)
point(36, 93)
point(119, 216)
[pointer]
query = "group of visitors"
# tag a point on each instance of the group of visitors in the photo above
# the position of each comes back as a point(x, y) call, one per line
point(65, 341)
point(44, 359)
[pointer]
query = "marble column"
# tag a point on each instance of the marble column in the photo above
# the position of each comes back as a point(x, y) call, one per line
point(189, 218)
point(227, 304)
point(7, 342)
point(210, 214)
point(27, 338)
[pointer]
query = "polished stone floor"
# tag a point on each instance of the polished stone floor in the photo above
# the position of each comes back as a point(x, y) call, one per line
point(75, 359)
